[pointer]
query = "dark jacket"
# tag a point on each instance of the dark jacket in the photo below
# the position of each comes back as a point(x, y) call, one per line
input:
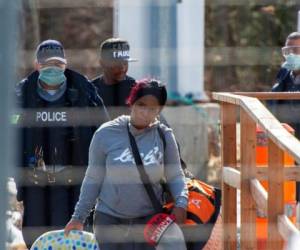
point(287, 111)
point(115, 95)
point(53, 147)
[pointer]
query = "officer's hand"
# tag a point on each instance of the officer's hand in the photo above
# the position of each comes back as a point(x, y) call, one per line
point(180, 214)
point(73, 225)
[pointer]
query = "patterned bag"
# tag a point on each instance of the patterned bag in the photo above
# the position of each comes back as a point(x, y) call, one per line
point(56, 240)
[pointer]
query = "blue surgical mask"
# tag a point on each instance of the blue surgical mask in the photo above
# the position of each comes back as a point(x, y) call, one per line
point(292, 62)
point(52, 75)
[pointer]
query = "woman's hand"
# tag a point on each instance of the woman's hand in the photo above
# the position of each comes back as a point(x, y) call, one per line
point(180, 214)
point(73, 225)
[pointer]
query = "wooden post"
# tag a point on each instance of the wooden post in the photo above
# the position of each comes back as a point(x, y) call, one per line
point(248, 169)
point(228, 140)
point(276, 197)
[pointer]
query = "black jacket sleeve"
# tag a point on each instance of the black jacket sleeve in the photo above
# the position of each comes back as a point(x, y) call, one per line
point(280, 86)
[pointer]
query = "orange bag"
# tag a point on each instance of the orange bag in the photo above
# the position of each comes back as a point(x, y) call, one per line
point(202, 212)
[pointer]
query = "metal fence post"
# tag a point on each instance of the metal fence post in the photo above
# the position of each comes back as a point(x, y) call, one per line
point(8, 51)
point(298, 26)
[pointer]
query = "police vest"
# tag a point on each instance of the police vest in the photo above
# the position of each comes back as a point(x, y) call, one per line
point(62, 145)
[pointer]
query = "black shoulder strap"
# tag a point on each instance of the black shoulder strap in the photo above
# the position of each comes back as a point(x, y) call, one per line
point(143, 175)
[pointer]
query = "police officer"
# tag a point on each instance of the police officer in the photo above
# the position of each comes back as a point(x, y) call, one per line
point(114, 85)
point(288, 80)
point(54, 138)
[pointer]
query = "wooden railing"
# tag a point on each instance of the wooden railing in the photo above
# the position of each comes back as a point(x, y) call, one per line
point(246, 175)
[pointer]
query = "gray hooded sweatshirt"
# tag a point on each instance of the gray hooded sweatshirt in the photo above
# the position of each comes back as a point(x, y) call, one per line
point(112, 180)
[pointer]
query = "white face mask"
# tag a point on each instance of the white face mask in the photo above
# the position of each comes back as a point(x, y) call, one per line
point(292, 62)
point(52, 75)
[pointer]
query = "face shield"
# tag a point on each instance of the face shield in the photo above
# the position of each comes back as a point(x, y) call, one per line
point(288, 50)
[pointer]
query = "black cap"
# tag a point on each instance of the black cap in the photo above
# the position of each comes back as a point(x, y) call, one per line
point(50, 50)
point(115, 49)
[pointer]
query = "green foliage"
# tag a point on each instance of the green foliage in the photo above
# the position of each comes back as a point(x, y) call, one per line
point(241, 24)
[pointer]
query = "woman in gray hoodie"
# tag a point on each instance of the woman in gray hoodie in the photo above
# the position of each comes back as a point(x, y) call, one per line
point(112, 180)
